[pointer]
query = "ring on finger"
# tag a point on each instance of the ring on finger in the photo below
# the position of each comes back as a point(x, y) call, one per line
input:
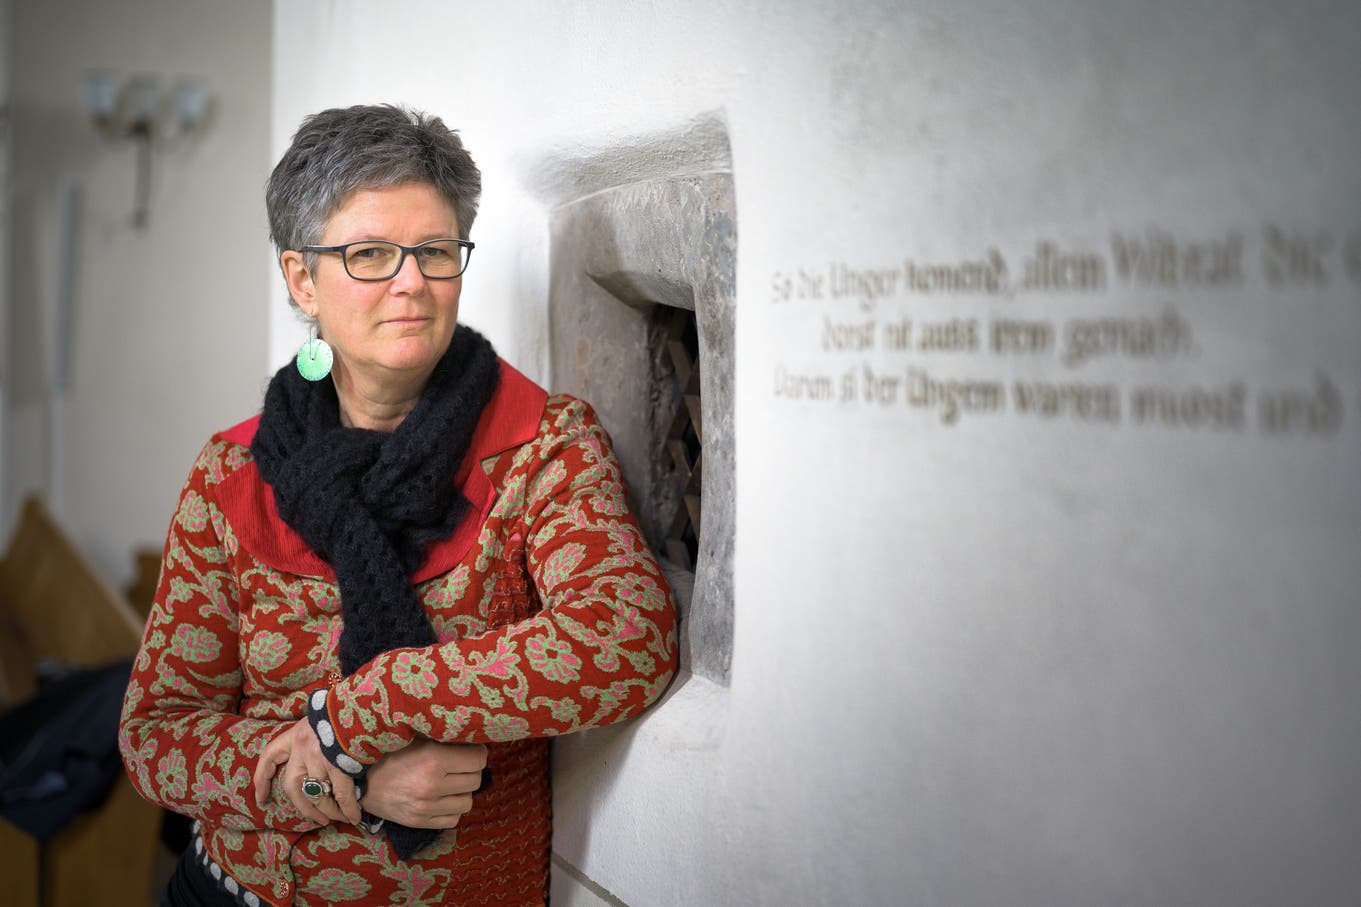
point(315, 788)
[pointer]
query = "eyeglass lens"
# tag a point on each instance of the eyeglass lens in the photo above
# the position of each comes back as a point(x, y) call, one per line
point(380, 260)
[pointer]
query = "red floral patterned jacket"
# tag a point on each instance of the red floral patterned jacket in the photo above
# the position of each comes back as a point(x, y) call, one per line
point(552, 615)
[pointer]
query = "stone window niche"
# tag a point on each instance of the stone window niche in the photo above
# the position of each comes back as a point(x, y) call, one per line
point(641, 325)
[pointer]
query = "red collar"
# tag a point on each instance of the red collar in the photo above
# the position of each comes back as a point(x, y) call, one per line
point(510, 418)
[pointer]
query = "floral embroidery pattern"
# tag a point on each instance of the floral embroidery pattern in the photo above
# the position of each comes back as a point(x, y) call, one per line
point(193, 513)
point(195, 644)
point(172, 773)
point(233, 643)
point(268, 651)
point(415, 674)
point(336, 885)
point(553, 659)
point(501, 728)
point(562, 564)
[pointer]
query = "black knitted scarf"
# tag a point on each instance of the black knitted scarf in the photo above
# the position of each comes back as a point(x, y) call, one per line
point(369, 502)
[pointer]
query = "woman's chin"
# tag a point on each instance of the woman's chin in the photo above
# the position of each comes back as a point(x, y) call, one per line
point(412, 354)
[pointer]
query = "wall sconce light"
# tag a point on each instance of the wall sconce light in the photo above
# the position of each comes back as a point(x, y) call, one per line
point(139, 108)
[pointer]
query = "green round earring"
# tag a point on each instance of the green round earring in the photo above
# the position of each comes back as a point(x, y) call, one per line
point(314, 359)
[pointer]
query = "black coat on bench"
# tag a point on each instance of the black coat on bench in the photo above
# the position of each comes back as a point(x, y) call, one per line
point(59, 749)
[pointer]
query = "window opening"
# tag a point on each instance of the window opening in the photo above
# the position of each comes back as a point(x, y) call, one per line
point(641, 321)
point(684, 437)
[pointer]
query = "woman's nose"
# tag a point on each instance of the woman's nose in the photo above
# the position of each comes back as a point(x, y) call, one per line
point(408, 276)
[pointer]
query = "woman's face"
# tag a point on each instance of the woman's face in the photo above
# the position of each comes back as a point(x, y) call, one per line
point(391, 329)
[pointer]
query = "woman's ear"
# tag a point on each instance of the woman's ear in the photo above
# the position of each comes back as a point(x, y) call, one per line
point(299, 280)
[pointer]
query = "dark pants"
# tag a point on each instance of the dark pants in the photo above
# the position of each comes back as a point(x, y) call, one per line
point(190, 886)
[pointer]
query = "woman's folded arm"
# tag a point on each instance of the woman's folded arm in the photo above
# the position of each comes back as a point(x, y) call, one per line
point(184, 745)
point(602, 648)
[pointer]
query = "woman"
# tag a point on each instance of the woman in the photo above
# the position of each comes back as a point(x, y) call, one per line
point(381, 596)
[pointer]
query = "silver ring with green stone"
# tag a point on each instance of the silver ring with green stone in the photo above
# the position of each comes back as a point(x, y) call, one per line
point(314, 789)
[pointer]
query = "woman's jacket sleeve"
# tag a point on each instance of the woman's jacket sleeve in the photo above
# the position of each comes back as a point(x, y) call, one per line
point(184, 745)
point(601, 648)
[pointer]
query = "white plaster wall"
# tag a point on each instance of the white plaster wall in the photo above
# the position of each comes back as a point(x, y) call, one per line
point(169, 325)
point(1004, 661)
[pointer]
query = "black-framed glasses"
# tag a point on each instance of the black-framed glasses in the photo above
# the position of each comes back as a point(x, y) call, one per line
point(378, 259)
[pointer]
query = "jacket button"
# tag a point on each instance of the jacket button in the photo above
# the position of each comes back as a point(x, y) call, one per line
point(281, 888)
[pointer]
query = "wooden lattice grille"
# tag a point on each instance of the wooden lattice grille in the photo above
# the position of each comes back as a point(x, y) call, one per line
point(685, 438)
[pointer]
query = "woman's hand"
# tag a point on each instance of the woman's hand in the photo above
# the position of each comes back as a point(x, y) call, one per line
point(426, 785)
point(299, 752)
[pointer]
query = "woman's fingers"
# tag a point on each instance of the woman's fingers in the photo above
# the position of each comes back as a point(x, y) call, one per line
point(458, 758)
point(297, 779)
point(455, 805)
point(443, 813)
point(442, 823)
point(342, 796)
point(297, 750)
point(426, 785)
point(272, 756)
point(460, 783)
point(306, 779)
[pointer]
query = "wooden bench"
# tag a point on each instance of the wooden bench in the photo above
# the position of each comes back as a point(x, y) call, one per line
point(53, 605)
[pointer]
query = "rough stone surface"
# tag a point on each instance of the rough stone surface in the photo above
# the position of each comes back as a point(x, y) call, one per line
point(620, 257)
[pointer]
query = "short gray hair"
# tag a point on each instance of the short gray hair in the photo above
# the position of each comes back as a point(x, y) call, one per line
point(340, 150)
